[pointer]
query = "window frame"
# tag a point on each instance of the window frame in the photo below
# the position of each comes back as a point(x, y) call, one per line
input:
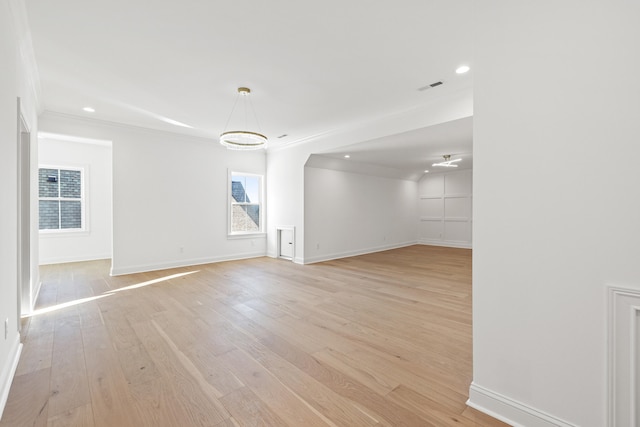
point(231, 203)
point(83, 201)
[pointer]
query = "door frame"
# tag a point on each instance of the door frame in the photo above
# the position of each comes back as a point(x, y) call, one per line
point(24, 279)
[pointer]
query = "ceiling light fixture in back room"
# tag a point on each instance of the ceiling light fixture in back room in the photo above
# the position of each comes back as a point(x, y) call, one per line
point(243, 139)
point(448, 163)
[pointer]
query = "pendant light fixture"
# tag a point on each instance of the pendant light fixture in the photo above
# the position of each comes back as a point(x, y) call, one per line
point(243, 139)
point(448, 163)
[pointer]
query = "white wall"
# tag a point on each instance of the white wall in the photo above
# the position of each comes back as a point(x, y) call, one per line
point(169, 195)
point(95, 241)
point(16, 80)
point(348, 214)
point(444, 208)
point(556, 205)
point(286, 171)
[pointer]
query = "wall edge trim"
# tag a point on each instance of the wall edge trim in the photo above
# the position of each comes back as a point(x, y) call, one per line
point(459, 245)
point(615, 366)
point(181, 263)
point(347, 254)
point(63, 260)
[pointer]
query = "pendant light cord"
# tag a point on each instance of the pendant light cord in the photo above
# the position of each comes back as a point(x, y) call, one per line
point(232, 110)
point(246, 122)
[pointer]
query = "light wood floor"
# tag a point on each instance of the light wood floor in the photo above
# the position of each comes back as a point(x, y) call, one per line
point(376, 340)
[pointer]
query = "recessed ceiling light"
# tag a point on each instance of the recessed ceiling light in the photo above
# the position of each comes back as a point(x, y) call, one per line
point(346, 156)
point(89, 110)
point(426, 171)
point(462, 69)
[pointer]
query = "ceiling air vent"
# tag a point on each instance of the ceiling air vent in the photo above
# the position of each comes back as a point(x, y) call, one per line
point(434, 84)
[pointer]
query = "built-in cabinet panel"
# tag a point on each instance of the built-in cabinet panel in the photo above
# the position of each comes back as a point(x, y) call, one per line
point(444, 204)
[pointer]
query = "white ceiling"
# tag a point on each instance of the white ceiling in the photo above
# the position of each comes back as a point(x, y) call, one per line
point(411, 153)
point(312, 66)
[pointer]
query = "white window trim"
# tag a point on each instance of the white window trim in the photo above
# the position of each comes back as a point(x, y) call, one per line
point(83, 202)
point(244, 234)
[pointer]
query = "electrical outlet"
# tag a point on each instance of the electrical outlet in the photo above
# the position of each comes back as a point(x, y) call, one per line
point(181, 249)
point(317, 245)
point(6, 328)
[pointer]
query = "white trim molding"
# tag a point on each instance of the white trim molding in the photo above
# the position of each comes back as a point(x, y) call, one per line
point(8, 371)
point(329, 257)
point(449, 244)
point(181, 263)
point(510, 411)
point(623, 357)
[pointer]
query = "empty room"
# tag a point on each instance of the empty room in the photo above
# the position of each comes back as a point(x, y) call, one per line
point(334, 214)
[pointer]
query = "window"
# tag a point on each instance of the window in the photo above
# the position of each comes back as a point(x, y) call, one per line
point(61, 196)
point(245, 203)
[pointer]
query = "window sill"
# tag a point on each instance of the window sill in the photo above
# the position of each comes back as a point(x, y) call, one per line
point(63, 233)
point(246, 235)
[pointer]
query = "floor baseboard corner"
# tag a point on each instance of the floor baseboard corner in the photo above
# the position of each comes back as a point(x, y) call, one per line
point(510, 411)
point(8, 371)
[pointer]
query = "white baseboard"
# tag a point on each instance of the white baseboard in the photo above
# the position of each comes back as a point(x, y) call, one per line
point(8, 371)
point(181, 263)
point(79, 258)
point(510, 411)
point(295, 260)
point(446, 244)
point(329, 257)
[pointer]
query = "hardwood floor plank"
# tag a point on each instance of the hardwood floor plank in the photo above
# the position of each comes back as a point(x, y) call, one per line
point(69, 387)
point(156, 402)
point(281, 400)
point(373, 382)
point(82, 416)
point(431, 410)
point(248, 410)
point(36, 353)
point(332, 407)
point(111, 401)
point(28, 402)
point(382, 340)
point(136, 364)
point(191, 391)
point(480, 419)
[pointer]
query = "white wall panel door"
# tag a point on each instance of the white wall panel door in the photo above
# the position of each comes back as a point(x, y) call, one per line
point(286, 245)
